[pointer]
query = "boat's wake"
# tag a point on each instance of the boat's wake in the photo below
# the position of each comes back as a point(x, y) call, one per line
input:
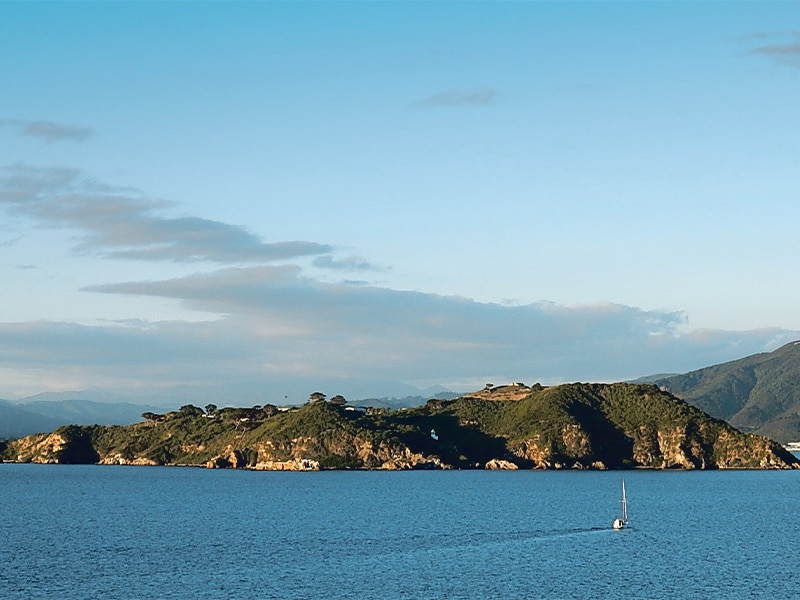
point(563, 533)
point(465, 540)
point(485, 538)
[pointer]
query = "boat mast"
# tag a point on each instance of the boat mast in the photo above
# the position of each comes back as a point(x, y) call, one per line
point(624, 503)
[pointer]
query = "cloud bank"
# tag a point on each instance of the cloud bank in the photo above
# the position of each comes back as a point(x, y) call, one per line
point(352, 330)
point(279, 328)
point(282, 328)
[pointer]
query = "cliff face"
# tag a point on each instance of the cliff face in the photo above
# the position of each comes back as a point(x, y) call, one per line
point(585, 426)
point(66, 445)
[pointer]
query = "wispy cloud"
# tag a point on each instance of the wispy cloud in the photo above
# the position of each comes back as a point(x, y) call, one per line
point(784, 49)
point(123, 223)
point(49, 131)
point(10, 242)
point(348, 263)
point(461, 97)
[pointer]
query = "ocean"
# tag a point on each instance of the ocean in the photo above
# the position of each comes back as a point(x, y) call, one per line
point(86, 532)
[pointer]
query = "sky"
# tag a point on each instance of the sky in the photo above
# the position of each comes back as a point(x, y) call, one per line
point(259, 200)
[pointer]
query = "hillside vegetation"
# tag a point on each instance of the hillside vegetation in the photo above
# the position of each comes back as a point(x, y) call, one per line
point(757, 394)
point(594, 426)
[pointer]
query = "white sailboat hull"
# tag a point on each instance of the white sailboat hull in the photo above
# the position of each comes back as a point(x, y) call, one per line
point(623, 520)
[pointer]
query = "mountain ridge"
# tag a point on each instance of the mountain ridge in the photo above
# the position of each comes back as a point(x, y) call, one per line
point(758, 394)
point(16, 421)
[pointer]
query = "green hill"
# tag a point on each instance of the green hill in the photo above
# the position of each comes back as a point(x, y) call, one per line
point(758, 394)
point(568, 426)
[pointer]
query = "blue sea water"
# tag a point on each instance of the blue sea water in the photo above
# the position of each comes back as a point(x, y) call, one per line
point(85, 532)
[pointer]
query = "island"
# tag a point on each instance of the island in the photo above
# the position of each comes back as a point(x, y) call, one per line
point(569, 426)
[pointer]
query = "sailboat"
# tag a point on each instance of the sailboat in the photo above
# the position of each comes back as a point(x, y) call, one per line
point(622, 521)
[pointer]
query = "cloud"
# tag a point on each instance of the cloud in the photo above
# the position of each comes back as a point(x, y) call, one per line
point(292, 324)
point(122, 223)
point(348, 263)
point(787, 53)
point(49, 131)
point(460, 97)
point(10, 242)
point(457, 343)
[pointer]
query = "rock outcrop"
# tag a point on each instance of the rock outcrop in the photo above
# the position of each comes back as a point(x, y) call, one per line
point(66, 445)
point(500, 465)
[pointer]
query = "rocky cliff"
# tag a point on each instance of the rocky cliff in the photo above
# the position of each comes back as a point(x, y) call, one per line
point(584, 426)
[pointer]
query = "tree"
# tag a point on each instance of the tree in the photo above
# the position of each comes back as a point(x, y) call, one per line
point(255, 412)
point(316, 397)
point(150, 417)
point(338, 400)
point(211, 409)
point(190, 410)
point(269, 410)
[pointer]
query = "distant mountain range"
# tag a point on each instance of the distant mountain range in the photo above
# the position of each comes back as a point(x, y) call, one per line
point(757, 394)
point(16, 421)
point(36, 415)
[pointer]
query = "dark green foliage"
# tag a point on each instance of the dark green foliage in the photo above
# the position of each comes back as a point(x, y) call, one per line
point(310, 420)
point(78, 449)
point(189, 410)
point(338, 400)
point(316, 397)
point(462, 440)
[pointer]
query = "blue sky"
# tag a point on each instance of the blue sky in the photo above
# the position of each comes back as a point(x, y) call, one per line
point(268, 198)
